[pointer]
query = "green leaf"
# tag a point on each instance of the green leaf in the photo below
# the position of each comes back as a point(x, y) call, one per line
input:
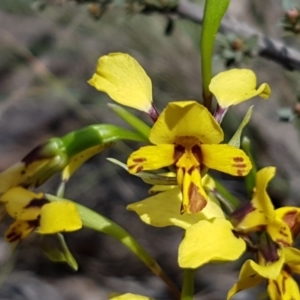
point(236, 139)
point(131, 119)
point(95, 221)
point(213, 13)
point(56, 249)
point(150, 178)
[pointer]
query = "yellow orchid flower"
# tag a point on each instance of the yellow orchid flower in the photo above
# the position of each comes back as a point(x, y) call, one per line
point(281, 284)
point(235, 86)
point(218, 241)
point(31, 211)
point(187, 136)
point(129, 296)
point(124, 80)
point(260, 215)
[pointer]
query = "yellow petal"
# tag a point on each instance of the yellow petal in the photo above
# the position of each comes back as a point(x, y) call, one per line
point(279, 232)
point(283, 288)
point(22, 204)
point(227, 159)
point(19, 230)
point(194, 198)
point(163, 210)
point(247, 279)
point(12, 177)
point(59, 216)
point(186, 118)
point(129, 296)
point(290, 215)
point(77, 160)
point(151, 158)
point(292, 258)
point(235, 86)
point(208, 241)
point(262, 208)
point(124, 80)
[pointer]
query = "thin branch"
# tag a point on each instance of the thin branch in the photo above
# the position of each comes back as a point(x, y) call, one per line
point(268, 48)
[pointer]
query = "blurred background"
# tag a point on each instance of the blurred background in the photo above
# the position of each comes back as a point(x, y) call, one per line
point(48, 51)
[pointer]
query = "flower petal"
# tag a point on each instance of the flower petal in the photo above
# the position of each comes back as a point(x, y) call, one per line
point(235, 86)
point(248, 278)
point(59, 216)
point(194, 198)
point(151, 158)
point(227, 159)
point(283, 288)
point(163, 210)
point(186, 118)
point(19, 230)
point(292, 258)
point(290, 215)
point(12, 177)
point(129, 296)
point(208, 241)
point(262, 211)
point(124, 80)
point(22, 204)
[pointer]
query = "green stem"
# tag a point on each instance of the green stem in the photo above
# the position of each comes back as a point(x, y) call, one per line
point(213, 13)
point(187, 292)
point(95, 221)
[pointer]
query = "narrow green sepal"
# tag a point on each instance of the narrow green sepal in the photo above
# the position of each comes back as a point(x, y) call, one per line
point(236, 138)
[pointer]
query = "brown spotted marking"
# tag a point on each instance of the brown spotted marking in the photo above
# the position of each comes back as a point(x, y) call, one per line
point(238, 159)
point(277, 286)
point(196, 201)
point(196, 150)
point(139, 169)
point(178, 152)
point(242, 166)
point(139, 160)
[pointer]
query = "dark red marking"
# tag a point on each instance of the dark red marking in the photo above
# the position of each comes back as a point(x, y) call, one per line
point(242, 166)
point(197, 201)
point(196, 150)
point(239, 172)
point(240, 214)
point(36, 203)
point(139, 160)
point(178, 152)
point(139, 169)
point(238, 159)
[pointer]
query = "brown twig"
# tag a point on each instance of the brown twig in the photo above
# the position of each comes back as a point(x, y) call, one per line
point(268, 48)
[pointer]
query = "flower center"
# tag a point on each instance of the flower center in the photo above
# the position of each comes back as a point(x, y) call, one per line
point(187, 152)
